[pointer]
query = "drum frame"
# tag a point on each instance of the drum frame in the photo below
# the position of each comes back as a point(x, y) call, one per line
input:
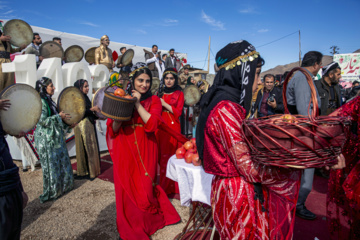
point(58, 102)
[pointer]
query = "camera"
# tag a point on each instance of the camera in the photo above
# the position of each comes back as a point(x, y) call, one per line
point(271, 98)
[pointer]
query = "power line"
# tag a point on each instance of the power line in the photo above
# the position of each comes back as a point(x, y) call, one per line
point(205, 60)
point(256, 47)
point(277, 39)
point(212, 53)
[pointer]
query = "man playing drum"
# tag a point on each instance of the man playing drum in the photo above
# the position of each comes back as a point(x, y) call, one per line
point(124, 70)
point(6, 79)
point(12, 196)
point(103, 54)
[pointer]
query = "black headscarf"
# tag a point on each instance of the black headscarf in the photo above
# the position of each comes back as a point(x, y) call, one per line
point(237, 64)
point(3, 42)
point(176, 86)
point(188, 81)
point(41, 86)
point(88, 113)
point(136, 70)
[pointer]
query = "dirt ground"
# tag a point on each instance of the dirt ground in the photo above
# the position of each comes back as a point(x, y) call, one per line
point(87, 212)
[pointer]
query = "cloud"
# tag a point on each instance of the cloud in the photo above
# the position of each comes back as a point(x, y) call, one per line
point(263, 30)
point(8, 12)
point(171, 21)
point(218, 25)
point(37, 14)
point(140, 31)
point(89, 24)
point(164, 23)
point(248, 10)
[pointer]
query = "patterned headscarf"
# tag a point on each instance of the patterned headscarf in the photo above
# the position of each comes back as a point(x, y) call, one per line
point(237, 64)
point(135, 70)
point(329, 67)
point(41, 86)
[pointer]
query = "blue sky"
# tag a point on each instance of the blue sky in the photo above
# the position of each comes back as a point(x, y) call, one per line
point(186, 25)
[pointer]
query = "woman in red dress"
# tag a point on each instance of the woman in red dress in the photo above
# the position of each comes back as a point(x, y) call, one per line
point(172, 102)
point(343, 199)
point(142, 205)
point(249, 200)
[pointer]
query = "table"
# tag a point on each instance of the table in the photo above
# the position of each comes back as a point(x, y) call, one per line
point(195, 189)
point(194, 183)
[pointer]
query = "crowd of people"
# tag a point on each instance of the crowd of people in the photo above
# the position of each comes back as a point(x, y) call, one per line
point(249, 200)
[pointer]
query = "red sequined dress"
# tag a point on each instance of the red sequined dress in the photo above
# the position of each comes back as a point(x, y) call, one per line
point(168, 144)
point(343, 199)
point(236, 212)
point(142, 207)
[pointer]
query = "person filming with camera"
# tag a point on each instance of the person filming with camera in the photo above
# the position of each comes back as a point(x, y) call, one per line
point(269, 99)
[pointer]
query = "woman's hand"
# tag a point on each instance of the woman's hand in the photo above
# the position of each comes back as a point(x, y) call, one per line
point(64, 116)
point(5, 104)
point(341, 163)
point(162, 102)
point(137, 95)
point(95, 109)
point(5, 38)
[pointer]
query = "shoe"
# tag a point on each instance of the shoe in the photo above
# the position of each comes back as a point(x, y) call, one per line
point(25, 169)
point(304, 213)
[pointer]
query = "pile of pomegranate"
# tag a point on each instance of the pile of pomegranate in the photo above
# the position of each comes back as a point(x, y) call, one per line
point(121, 93)
point(189, 152)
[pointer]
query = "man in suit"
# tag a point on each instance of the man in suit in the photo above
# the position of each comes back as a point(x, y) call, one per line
point(172, 61)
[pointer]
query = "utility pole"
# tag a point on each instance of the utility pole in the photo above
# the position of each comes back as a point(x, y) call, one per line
point(209, 56)
point(299, 50)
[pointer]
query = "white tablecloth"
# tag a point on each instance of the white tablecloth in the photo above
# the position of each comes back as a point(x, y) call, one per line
point(194, 182)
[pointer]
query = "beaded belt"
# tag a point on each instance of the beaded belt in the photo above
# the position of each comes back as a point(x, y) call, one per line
point(132, 125)
point(4, 54)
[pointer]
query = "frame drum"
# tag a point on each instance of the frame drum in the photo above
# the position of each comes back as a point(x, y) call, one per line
point(127, 57)
point(155, 85)
point(74, 53)
point(72, 101)
point(192, 95)
point(20, 32)
point(90, 55)
point(51, 49)
point(25, 110)
point(98, 101)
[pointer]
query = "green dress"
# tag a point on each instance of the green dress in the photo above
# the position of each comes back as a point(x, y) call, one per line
point(54, 157)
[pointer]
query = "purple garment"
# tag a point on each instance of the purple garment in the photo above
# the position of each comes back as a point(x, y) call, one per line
point(264, 105)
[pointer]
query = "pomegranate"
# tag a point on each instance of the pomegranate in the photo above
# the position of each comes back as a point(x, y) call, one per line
point(119, 92)
point(193, 151)
point(195, 159)
point(193, 140)
point(180, 153)
point(188, 157)
point(188, 145)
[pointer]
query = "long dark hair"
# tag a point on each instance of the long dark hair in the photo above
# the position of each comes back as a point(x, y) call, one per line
point(41, 86)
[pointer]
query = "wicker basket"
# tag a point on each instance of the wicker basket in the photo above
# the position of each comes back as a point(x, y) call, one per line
point(117, 108)
point(296, 141)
